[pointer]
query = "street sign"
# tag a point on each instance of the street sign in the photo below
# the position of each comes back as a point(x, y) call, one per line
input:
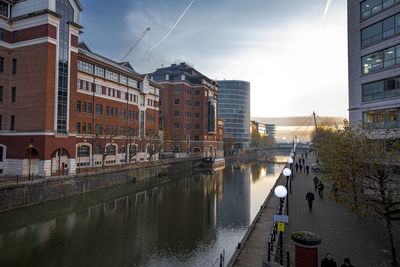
point(281, 227)
point(281, 218)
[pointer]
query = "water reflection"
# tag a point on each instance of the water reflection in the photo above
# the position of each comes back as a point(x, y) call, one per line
point(186, 222)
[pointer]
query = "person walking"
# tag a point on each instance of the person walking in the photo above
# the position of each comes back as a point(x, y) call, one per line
point(306, 155)
point(316, 182)
point(300, 161)
point(303, 161)
point(328, 261)
point(301, 167)
point(347, 263)
point(310, 198)
point(297, 167)
point(308, 169)
point(321, 190)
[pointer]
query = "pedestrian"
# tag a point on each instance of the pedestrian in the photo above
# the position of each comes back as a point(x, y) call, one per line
point(297, 167)
point(308, 169)
point(328, 261)
point(306, 155)
point(347, 263)
point(321, 190)
point(300, 161)
point(302, 156)
point(316, 182)
point(301, 167)
point(304, 161)
point(310, 198)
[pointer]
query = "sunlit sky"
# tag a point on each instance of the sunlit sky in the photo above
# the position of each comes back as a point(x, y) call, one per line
point(295, 60)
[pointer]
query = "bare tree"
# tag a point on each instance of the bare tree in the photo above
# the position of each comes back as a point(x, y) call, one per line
point(132, 140)
point(153, 142)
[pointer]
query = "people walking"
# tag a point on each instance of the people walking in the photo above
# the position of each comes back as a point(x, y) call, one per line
point(297, 167)
point(347, 263)
point(321, 190)
point(310, 198)
point(308, 169)
point(328, 261)
point(303, 161)
point(306, 155)
point(300, 161)
point(316, 182)
point(301, 167)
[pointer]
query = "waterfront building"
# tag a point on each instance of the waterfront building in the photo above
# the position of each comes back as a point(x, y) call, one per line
point(271, 131)
point(188, 111)
point(58, 98)
point(234, 108)
point(373, 63)
point(260, 127)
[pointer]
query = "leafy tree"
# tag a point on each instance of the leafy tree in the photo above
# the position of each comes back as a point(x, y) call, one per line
point(362, 168)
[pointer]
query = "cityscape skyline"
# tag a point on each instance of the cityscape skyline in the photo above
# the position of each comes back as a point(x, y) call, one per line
point(262, 45)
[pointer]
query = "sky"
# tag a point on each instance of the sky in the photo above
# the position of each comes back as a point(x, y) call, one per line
point(293, 53)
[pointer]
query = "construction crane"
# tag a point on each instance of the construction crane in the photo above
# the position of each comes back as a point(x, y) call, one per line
point(135, 44)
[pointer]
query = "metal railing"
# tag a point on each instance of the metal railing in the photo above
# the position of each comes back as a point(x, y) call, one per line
point(277, 255)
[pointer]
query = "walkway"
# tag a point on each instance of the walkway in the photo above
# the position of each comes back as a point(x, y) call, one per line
point(365, 242)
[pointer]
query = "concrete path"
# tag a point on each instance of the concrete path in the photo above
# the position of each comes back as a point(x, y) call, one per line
point(364, 241)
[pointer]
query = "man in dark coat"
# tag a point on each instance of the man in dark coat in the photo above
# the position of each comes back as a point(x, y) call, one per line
point(347, 263)
point(297, 167)
point(308, 169)
point(321, 190)
point(310, 198)
point(328, 261)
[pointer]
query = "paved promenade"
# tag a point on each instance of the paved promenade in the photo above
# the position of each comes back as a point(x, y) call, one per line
point(364, 241)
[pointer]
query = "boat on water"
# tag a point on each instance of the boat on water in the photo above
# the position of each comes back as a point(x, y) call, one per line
point(213, 163)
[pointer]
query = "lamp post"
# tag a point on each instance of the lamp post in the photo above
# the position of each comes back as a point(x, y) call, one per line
point(30, 159)
point(290, 161)
point(287, 172)
point(281, 192)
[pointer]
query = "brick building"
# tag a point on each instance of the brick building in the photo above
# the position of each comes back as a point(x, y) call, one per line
point(55, 94)
point(188, 111)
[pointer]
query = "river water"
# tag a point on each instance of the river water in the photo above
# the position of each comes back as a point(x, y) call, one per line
point(185, 222)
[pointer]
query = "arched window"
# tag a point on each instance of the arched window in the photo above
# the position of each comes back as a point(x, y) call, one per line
point(83, 151)
point(111, 149)
point(2, 150)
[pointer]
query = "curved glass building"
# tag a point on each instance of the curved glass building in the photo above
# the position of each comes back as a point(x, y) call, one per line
point(234, 108)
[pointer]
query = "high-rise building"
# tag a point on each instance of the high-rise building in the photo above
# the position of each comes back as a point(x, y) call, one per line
point(234, 108)
point(57, 98)
point(374, 63)
point(188, 111)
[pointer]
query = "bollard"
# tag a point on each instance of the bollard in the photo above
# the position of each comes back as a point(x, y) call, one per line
point(306, 252)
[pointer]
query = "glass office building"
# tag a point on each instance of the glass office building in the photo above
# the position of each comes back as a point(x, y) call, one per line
point(234, 108)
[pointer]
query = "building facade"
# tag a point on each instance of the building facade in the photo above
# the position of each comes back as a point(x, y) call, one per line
point(373, 61)
point(234, 108)
point(260, 127)
point(45, 87)
point(188, 111)
point(271, 131)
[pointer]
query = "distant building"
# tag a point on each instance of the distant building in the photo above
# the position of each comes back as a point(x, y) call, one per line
point(234, 108)
point(188, 111)
point(271, 131)
point(260, 127)
point(373, 63)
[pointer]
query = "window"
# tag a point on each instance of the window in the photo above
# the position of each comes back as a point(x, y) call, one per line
point(197, 126)
point(99, 89)
point(196, 138)
point(78, 106)
point(116, 112)
point(90, 107)
point(176, 101)
point(3, 9)
point(382, 119)
point(14, 66)
point(112, 76)
point(1, 122)
point(99, 109)
point(123, 113)
point(381, 59)
point(107, 111)
point(1, 94)
point(99, 129)
point(2, 34)
point(372, 7)
point(78, 127)
point(197, 92)
point(197, 104)
point(176, 90)
point(122, 130)
point(383, 89)
point(176, 113)
point(85, 66)
point(99, 71)
point(84, 105)
point(15, 36)
point(111, 150)
point(197, 115)
point(89, 128)
point(97, 150)
point(83, 151)
point(84, 127)
point(122, 149)
point(380, 30)
point(1, 64)
point(176, 125)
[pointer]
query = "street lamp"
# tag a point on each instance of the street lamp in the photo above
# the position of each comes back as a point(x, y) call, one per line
point(30, 159)
point(290, 161)
point(287, 172)
point(281, 192)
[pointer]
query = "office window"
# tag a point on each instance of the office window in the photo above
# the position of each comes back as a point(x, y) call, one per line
point(380, 30)
point(382, 119)
point(123, 113)
point(197, 104)
point(176, 101)
point(1, 64)
point(89, 128)
point(99, 89)
point(122, 130)
point(83, 151)
point(2, 34)
point(15, 36)
point(381, 59)
point(99, 71)
point(176, 113)
point(13, 94)
point(383, 89)
point(99, 109)
point(196, 138)
point(176, 125)
point(14, 66)
point(176, 90)
point(84, 105)
point(1, 94)
point(111, 111)
point(78, 127)
point(83, 127)
point(3, 9)
point(197, 92)
point(99, 129)
point(90, 107)
point(197, 126)
point(116, 112)
point(85, 66)
point(78, 106)
point(97, 150)
point(197, 115)
point(111, 149)
point(107, 111)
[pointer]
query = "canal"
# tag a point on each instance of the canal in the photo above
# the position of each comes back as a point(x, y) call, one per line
point(188, 221)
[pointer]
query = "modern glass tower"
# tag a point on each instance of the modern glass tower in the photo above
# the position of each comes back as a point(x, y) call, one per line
point(234, 108)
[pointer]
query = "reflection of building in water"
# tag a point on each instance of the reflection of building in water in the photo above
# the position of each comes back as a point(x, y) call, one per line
point(234, 208)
